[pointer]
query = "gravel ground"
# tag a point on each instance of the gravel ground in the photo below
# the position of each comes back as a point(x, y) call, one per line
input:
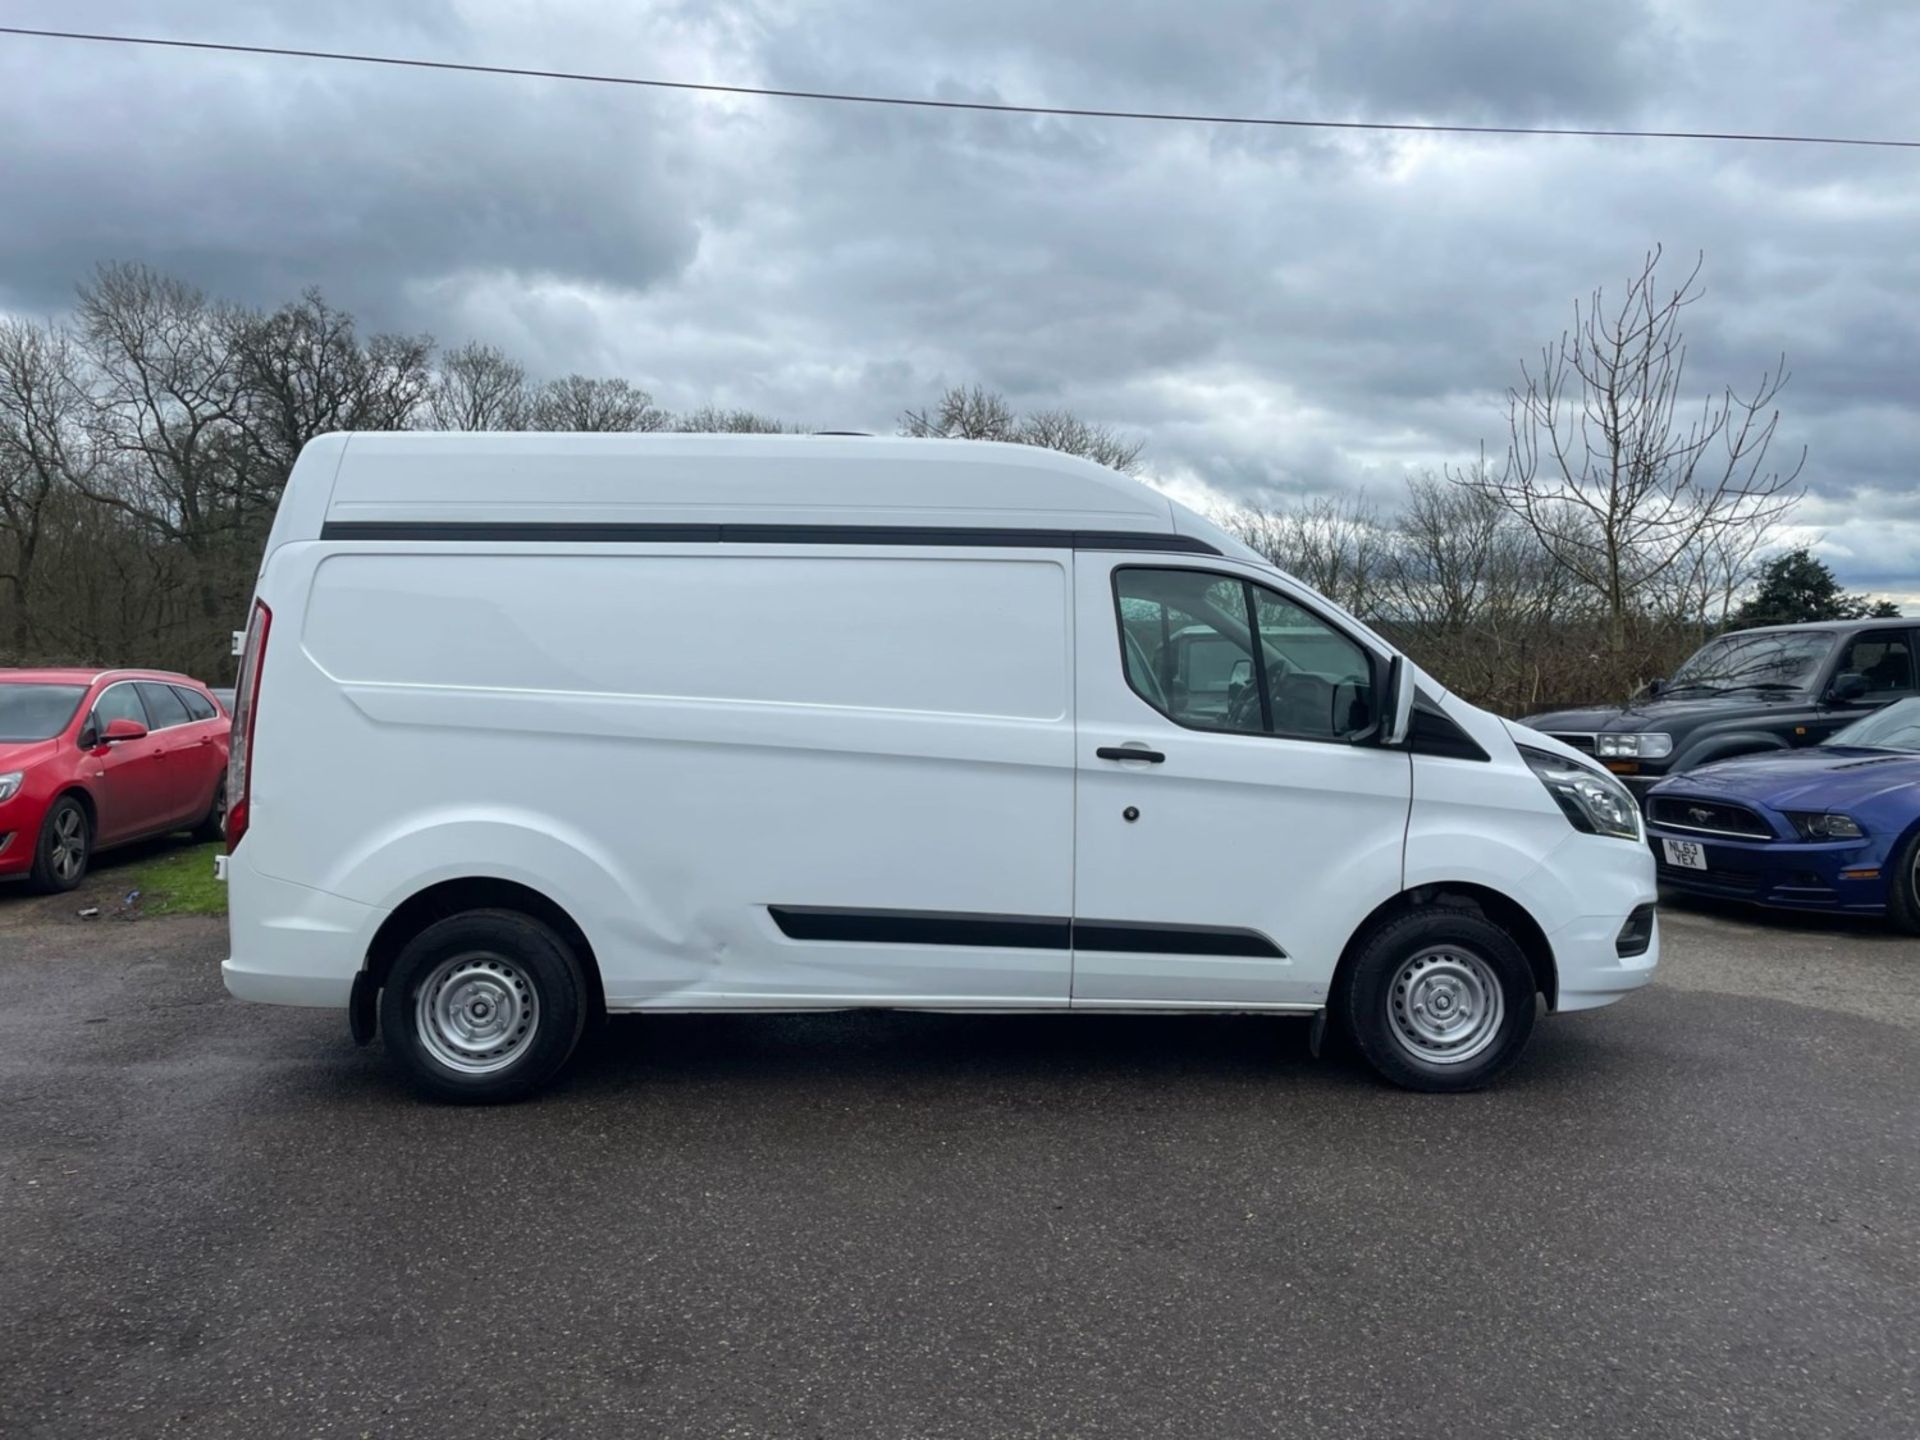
point(1690, 1215)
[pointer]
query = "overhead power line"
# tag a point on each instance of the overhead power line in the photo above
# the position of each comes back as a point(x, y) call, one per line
point(981, 106)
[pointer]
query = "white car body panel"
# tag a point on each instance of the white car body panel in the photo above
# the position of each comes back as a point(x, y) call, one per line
point(711, 744)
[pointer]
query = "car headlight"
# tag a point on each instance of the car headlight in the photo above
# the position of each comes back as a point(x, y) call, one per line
point(10, 784)
point(1817, 825)
point(1653, 745)
point(1592, 799)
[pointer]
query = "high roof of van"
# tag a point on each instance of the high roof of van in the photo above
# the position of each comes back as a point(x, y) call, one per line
point(348, 483)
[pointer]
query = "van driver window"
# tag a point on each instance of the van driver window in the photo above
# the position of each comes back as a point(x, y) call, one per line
point(1186, 645)
point(1186, 650)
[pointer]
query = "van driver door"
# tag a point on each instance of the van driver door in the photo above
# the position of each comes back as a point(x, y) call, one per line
point(1232, 826)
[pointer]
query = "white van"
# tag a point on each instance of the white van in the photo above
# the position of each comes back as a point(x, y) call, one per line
point(533, 728)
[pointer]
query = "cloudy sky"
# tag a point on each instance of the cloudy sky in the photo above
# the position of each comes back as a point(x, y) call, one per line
point(1278, 313)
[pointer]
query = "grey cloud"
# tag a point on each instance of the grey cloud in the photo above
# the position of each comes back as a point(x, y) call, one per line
point(256, 178)
point(1276, 312)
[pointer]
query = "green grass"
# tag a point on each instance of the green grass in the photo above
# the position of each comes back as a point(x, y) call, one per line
point(178, 883)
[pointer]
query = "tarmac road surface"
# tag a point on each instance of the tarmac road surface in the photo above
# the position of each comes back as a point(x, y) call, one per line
point(1695, 1214)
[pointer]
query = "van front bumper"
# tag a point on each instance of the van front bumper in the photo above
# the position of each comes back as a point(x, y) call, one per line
point(1586, 893)
point(292, 945)
point(1592, 970)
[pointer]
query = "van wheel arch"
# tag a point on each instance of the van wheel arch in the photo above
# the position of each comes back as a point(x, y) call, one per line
point(454, 897)
point(1509, 915)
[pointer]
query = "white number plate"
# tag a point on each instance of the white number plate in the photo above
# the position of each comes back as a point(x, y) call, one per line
point(1686, 854)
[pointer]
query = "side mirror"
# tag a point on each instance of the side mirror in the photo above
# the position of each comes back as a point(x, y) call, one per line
point(1240, 675)
point(124, 729)
point(1850, 685)
point(1655, 686)
point(1397, 717)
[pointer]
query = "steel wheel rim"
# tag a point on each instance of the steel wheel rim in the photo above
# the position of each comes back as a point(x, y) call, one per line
point(1445, 1005)
point(69, 856)
point(476, 1013)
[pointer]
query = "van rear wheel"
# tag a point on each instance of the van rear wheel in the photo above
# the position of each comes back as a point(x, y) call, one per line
point(483, 1007)
point(1439, 999)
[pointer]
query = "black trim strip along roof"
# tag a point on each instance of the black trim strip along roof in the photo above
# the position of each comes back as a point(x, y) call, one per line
point(594, 533)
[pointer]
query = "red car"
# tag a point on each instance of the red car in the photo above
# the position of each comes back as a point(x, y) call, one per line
point(91, 759)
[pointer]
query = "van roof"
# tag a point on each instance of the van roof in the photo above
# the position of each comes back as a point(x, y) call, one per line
point(607, 486)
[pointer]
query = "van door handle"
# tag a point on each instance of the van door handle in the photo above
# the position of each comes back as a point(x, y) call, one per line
point(1130, 752)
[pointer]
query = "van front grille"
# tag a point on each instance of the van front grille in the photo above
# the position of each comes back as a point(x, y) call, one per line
point(1582, 743)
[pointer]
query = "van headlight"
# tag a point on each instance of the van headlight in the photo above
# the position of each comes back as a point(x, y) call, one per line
point(10, 784)
point(1591, 799)
point(1654, 745)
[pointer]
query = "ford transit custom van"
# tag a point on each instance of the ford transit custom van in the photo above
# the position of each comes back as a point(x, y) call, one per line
point(533, 728)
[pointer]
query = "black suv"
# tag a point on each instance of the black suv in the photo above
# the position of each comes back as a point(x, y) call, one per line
point(1745, 691)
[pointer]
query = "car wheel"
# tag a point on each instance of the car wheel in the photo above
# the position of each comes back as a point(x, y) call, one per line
point(483, 1007)
point(214, 827)
point(1439, 999)
point(1903, 887)
point(65, 848)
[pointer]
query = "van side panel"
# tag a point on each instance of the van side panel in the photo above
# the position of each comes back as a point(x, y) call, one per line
point(670, 741)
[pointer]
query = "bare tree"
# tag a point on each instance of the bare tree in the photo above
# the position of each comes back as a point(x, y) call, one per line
point(972, 412)
point(712, 420)
point(1337, 544)
point(478, 388)
point(1603, 467)
point(304, 372)
point(964, 412)
point(576, 402)
point(166, 395)
point(1066, 432)
point(167, 400)
point(43, 445)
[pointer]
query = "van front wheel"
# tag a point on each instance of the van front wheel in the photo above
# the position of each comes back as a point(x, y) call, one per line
point(483, 1007)
point(1439, 999)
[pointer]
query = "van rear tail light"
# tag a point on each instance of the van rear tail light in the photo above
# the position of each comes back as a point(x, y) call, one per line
point(246, 709)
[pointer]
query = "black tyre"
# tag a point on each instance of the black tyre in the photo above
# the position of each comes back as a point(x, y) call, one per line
point(1439, 999)
point(64, 849)
point(1903, 887)
point(214, 827)
point(483, 1007)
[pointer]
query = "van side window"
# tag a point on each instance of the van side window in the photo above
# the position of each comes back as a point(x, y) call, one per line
point(1885, 659)
point(1187, 648)
point(163, 705)
point(1320, 682)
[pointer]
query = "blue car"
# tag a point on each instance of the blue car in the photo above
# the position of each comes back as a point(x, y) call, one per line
point(1835, 826)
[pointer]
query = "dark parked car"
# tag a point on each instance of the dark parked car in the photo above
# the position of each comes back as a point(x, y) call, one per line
point(1780, 688)
point(1833, 827)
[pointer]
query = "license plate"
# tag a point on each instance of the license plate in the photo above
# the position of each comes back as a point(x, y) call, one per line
point(1685, 854)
